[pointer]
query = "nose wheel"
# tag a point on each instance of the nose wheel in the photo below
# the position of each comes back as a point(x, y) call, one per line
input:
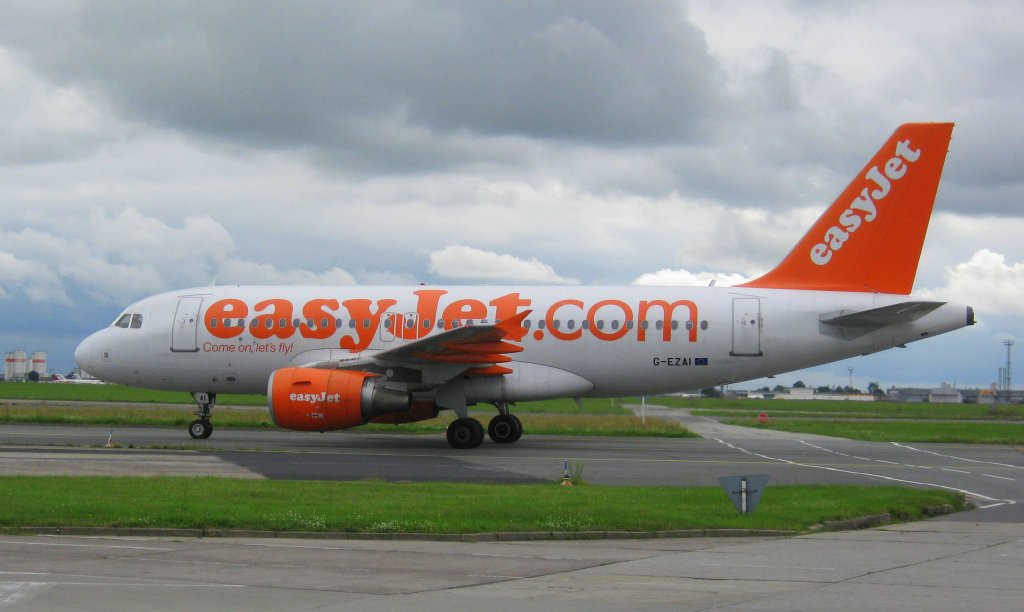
point(200, 429)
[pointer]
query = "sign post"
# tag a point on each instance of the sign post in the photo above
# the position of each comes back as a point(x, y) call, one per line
point(744, 491)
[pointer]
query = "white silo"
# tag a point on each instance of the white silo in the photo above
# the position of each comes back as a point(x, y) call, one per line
point(20, 365)
point(38, 364)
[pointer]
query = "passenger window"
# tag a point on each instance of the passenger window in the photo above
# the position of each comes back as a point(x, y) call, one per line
point(643, 324)
point(241, 322)
point(600, 324)
point(213, 323)
point(585, 324)
point(366, 324)
point(387, 323)
point(703, 324)
point(629, 324)
point(351, 323)
point(324, 323)
point(570, 324)
point(269, 324)
point(689, 325)
point(526, 324)
point(541, 324)
point(136, 321)
point(659, 325)
point(310, 324)
point(338, 323)
point(557, 324)
point(426, 323)
point(675, 324)
point(123, 321)
point(254, 324)
point(615, 324)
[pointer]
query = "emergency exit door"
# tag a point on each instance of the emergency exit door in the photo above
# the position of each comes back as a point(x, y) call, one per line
point(746, 327)
point(186, 322)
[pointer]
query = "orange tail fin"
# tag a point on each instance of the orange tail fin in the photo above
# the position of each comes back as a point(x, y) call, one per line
point(870, 239)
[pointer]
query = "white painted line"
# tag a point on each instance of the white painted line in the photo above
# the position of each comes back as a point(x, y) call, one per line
point(952, 470)
point(921, 450)
point(999, 477)
point(790, 567)
point(870, 475)
point(827, 450)
point(189, 562)
point(985, 507)
point(31, 543)
point(56, 579)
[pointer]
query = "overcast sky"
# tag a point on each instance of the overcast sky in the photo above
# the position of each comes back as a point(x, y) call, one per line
point(148, 147)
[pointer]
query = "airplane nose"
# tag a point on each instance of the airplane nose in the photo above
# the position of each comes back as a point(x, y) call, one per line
point(79, 354)
point(87, 354)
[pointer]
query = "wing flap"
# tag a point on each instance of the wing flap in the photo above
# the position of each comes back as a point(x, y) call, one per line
point(472, 350)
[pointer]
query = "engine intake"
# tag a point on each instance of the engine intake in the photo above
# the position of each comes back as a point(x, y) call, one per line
point(311, 399)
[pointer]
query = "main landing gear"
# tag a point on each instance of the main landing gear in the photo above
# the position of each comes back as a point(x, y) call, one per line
point(200, 429)
point(504, 428)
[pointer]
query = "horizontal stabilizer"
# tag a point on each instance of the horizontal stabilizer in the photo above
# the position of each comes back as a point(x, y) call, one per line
point(880, 317)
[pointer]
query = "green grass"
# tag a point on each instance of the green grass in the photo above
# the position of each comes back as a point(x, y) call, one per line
point(373, 506)
point(128, 415)
point(128, 406)
point(112, 393)
point(812, 408)
point(873, 431)
point(122, 394)
point(534, 422)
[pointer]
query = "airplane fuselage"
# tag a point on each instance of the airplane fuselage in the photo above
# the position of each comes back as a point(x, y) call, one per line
point(576, 341)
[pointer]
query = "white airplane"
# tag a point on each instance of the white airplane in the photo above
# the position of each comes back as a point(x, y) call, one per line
point(339, 357)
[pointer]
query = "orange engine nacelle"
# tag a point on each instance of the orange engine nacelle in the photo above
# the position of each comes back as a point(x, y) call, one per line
point(311, 399)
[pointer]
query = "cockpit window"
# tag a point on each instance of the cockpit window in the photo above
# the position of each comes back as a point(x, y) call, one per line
point(129, 320)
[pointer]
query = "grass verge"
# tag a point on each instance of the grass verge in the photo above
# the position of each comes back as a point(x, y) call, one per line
point(56, 392)
point(824, 408)
point(900, 431)
point(373, 506)
point(129, 415)
point(112, 393)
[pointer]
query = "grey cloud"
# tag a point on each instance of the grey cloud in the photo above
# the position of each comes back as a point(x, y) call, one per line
point(313, 74)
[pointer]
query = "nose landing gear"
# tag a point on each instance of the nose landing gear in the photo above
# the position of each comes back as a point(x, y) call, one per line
point(200, 429)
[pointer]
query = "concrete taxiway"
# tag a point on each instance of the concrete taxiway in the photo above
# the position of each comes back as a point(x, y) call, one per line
point(931, 565)
point(973, 559)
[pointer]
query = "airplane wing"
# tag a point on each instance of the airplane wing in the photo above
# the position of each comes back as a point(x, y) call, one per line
point(471, 350)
